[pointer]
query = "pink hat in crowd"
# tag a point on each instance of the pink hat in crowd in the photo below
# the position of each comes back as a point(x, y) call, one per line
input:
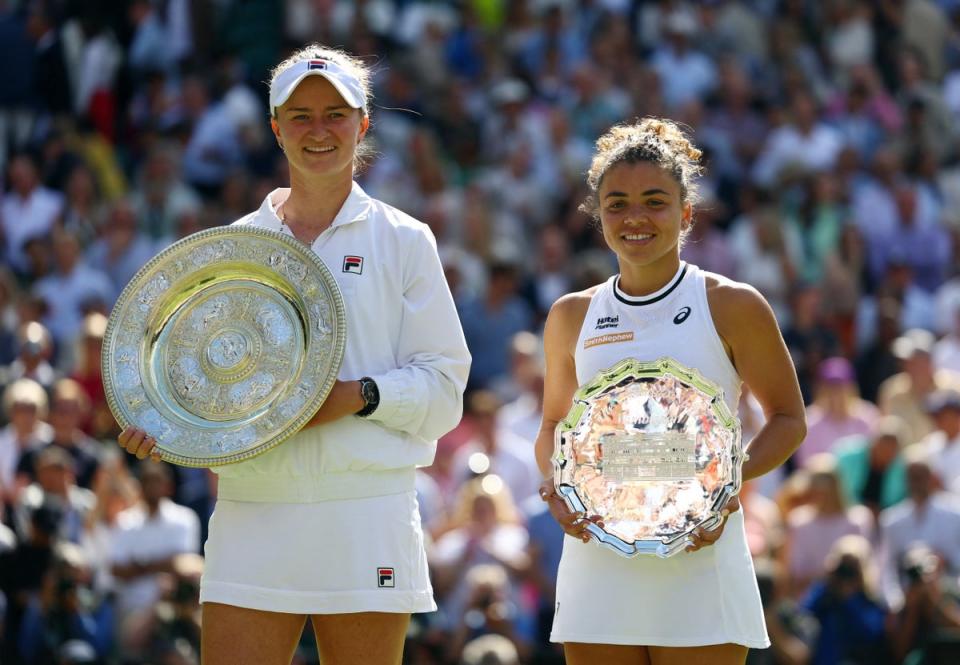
point(836, 370)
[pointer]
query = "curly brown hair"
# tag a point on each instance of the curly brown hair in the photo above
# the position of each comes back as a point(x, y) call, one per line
point(656, 140)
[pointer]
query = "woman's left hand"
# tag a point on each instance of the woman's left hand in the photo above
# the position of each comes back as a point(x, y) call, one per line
point(705, 537)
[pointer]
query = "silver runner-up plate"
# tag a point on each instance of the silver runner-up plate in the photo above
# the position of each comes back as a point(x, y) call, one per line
point(653, 449)
point(224, 345)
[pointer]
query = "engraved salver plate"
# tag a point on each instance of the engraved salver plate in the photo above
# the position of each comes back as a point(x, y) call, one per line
point(653, 448)
point(224, 344)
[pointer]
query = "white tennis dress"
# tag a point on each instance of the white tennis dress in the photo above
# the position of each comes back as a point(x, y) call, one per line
point(693, 598)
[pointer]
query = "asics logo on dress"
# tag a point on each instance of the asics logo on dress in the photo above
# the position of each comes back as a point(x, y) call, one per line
point(682, 315)
point(608, 322)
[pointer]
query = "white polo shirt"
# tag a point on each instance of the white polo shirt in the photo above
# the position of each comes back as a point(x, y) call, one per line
point(141, 538)
point(403, 331)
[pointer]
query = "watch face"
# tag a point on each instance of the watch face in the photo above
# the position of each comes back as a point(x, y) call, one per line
point(369, 391)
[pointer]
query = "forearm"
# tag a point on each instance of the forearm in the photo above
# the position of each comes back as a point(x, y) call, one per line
point(543, 449)
point(773, 444)
point(343, 400)
point(135, 569)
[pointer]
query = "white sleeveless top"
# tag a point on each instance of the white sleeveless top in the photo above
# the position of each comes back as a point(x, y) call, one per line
point(693, 598)
point(674, 322)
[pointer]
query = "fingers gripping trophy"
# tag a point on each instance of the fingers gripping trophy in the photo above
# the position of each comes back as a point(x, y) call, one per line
point(639, 445)
point(310, 354)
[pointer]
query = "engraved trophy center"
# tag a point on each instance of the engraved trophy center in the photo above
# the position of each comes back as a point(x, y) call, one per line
point(228, 349)
point(666, 456)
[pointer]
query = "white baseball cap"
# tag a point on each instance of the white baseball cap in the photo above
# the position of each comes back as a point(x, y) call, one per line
point(346, 83)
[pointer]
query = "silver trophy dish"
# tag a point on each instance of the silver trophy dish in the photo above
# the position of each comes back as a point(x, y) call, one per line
point(652, 448)
point(224, 345)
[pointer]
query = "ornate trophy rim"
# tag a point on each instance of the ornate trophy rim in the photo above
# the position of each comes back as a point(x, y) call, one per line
point(612, 377)
point(111, 383)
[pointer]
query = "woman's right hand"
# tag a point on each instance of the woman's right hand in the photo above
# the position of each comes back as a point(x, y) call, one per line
point(137, 442)
point(573, 523)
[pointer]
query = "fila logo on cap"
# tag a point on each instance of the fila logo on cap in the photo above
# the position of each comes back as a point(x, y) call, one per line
point(353, 264)
point(385, 578)
point(316, 64)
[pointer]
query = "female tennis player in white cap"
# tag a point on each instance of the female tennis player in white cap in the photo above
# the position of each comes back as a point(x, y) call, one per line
point(326, 525)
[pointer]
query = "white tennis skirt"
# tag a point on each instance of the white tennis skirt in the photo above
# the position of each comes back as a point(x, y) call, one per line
point(327, 557)
point(691, 599)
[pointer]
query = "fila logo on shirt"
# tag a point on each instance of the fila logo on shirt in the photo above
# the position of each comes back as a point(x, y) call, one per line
point(608, 322)
point(353, 264)
point(385, 578)
point(682, 315)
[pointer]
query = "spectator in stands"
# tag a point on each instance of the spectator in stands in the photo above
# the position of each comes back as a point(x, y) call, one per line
point(34, 353)
point(943, 444)
point(871, 467)
point(75, 289)
point(23, 569)
point(877, 362)
point(495, 449)
point(685, 73)
point(521, 415)
point(489, 610)
point(213, 149)
point(61, 612)
point(813, 529)
point(162, 196)
point(837, 410)
point(148, 538)
point(924, 517)
point(906, 394)
point(99, 422)
point(121, 250)
point(802, 145)
point(56, 484)
point(793, 631)
point(924, 630)
point(808, 335)
point(486, 530)
point(28, 210)
point(490, 321)
point(68, 408)
point(25, 409)
point(844, 602)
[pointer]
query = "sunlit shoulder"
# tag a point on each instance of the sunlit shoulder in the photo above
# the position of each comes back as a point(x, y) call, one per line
point(566, 315)
point(729, 298)
point(742, 316)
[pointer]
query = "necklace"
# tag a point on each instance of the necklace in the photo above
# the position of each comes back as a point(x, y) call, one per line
point(282, 216)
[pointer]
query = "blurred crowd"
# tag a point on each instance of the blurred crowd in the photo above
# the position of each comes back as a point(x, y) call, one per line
point(832, 184)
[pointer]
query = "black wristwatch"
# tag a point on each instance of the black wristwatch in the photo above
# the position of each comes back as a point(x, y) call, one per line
point(371, 396)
